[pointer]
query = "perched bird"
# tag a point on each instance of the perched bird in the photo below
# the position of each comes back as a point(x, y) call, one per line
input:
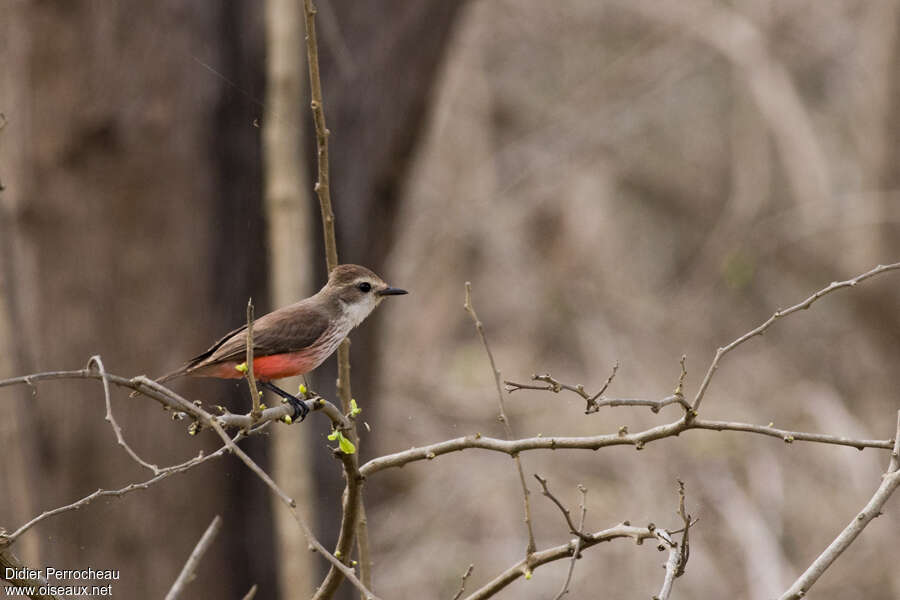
point(295, 339)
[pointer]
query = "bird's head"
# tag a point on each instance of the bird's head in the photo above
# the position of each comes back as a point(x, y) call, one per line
point(359, 290)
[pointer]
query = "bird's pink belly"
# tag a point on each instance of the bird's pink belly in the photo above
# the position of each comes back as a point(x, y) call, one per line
point(265, 368)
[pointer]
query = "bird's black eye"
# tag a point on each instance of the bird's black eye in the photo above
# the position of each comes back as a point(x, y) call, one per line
point(364, 287)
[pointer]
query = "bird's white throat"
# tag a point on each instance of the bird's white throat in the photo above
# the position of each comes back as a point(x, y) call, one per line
point(356, 312)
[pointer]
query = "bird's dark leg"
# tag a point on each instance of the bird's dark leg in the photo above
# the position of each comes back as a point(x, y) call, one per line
point(299, 406)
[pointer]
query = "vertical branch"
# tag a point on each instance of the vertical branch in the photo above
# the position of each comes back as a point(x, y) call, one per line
point(353, 502)
point(362, 547)
point(576, 554)
point(479, 326)
point(251, 376)
point(323, 188)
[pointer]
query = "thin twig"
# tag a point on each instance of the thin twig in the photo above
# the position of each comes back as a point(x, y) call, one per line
point(251, 593)
point(96, 360)
point(686, 528)
point(462, 584)
point(835, 285)
point(678, 552)
point(889, 483)
point(323, 187)
point(189, 572)
point(578, 544)
point(565, 511)
point(362, 544)
point(255, 412)
point(597, 401)
point(479, 327)
point(7, 539)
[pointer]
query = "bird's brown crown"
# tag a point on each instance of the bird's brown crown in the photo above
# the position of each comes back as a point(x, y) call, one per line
point(344, 274)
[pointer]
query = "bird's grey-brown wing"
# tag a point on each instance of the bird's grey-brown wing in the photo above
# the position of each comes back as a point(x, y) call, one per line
point(289, 329)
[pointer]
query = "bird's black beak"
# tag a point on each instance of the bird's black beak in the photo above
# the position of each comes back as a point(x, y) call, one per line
point(391, 291)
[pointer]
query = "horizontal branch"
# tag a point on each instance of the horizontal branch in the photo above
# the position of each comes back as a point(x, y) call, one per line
point(277, 413)
point(542, 557)
point(172, 401)
point(595, 442)
point(594, 402)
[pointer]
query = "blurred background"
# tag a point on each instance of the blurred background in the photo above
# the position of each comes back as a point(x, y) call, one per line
point(620, 181)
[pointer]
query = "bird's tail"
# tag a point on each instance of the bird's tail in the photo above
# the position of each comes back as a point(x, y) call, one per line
point(167, 377)
point(173, 375)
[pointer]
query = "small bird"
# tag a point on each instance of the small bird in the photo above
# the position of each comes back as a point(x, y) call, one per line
point(295, 339)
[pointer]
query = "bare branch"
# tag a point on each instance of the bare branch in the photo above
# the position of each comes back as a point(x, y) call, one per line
point(685, 542)
point(362, 544)
point(323, 188)
point(578, 544)
point(889, 483)
point(171, 401)
point(462, 585)
point(351, 504)
point(835, 285)
point(250, 374)
point(789, 437)
point(678, 552)
point(597, 401)
point(175, 402)
point(565, 511)
point(671, 568)
point(542, 557)
point(98, 362)
point(251, 593)
point(353, 490)
point(479, 327)
point(595, 442)
point(277, 413)
point(292, 506)
point(7, 539)
point(188, 573)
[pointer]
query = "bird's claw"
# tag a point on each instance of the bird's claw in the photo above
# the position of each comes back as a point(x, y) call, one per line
point(300, 408)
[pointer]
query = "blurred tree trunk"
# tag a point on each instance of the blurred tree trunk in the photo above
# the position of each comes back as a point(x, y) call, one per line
point(290, 234)
point(380, 61)
point(132, 229)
